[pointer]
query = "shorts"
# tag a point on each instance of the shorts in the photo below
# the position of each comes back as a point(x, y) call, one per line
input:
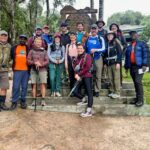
point(38, 77)
point(4, 80)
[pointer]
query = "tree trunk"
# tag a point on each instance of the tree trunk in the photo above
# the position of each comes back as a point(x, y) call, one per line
point(12, 22)
point(101, 9)
point(92, 4)
point(36, 12)
point(93, 16)
point(48, 11)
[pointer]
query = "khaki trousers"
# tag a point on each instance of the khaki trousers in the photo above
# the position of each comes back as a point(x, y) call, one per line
point(114, 77)
point(98, 67)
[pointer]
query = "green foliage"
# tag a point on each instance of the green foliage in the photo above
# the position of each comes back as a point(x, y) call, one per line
point(146, 32)
point(127, 17)
point(27, 16)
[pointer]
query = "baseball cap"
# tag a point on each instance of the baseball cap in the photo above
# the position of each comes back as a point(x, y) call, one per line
point(3, 32)
point(94, 26)
point(45, 26)
point(38, 27)
point(23, 36)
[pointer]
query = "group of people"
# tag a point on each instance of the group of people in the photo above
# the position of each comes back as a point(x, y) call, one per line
point(77, 54)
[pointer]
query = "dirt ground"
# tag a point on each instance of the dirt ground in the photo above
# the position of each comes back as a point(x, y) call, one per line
point(28, 130)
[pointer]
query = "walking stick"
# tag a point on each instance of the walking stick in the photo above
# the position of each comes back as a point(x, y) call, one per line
point(75, 85)
point(35, 100)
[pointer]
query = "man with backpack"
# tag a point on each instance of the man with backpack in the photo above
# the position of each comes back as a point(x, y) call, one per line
point(95, 45)
point(20, 72)
point(46, 35)
point(37, 34)
point(4, 67)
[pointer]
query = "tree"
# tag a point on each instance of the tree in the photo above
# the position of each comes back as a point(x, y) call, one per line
point(127, 17)
point(101, 9)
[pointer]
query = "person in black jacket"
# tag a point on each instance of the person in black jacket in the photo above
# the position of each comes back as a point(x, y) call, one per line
point(20, 72)
point(65, 37)
point(113, 58)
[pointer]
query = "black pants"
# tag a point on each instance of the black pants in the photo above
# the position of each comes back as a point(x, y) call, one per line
point(137, 79)
point(87, 83)
point(71, 72)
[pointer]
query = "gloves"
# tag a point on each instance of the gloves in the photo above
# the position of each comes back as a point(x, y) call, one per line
point(144, 68)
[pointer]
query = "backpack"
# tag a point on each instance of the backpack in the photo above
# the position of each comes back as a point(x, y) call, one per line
point(86, 47)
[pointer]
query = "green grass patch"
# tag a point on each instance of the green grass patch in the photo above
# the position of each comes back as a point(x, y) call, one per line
point(146, 84)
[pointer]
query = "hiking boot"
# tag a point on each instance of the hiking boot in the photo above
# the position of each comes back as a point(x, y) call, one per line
point(3, 106)
point(96, 94)
point(139, 103)
point(88, 113)
point(83, 102)
point(133, 102)
point(13, 106)
point(43, 103)
point(58, 94)
point(114, 96)
point(23, 105)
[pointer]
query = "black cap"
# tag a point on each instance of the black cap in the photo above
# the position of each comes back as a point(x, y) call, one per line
point(23, 36)
point(72, 33)
point(132, 32)
point(64, 24)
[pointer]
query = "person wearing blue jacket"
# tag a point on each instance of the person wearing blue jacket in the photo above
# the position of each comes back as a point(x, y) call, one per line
point(95, 45)
point(136, 57)
point(46, 36)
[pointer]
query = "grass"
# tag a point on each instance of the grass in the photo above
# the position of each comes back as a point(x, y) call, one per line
point(146, 84)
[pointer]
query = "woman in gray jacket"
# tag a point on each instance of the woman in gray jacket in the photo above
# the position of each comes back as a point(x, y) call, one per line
point(56, 54)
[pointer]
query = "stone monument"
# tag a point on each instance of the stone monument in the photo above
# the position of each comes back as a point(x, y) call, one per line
point(71, 15)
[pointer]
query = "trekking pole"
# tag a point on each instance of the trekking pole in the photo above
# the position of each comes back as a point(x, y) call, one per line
point(35, 105)
point(72, 90)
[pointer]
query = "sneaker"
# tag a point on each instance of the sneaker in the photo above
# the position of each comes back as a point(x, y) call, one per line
point(43, 103)
point(114, 96)
point(33, 103)
point(139, 103)
point(110, 95)
point(88, 113)
point(53, 94)
point(83, 102)
point(58, 94)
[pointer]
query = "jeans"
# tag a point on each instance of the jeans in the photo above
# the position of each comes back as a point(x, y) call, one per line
point(55, 72)
point(87, 83)
point(20, 80)
point(137, 80)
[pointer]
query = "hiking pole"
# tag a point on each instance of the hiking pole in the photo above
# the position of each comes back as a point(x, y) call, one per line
point(75, 85)
point(35, 100)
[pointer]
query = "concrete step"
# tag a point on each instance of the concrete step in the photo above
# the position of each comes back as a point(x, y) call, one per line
point(73, 100)
point(103, 92)
point(104, 109)
point(125, 85)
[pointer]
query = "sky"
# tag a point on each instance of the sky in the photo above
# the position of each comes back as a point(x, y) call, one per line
point(113, 6)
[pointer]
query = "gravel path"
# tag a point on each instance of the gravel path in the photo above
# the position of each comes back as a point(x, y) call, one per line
point(26, 130)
